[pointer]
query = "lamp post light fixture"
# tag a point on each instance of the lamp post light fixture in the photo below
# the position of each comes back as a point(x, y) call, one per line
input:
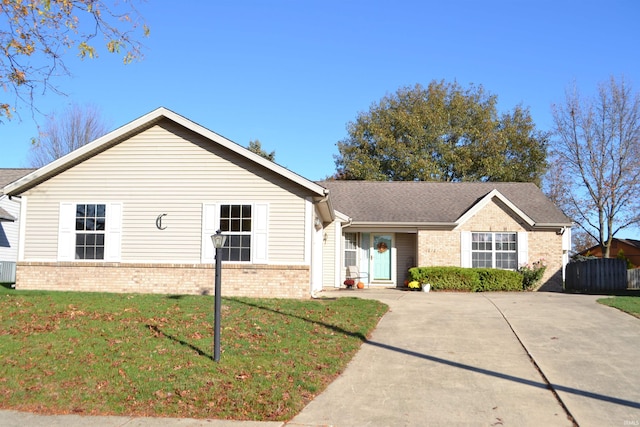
point(218, 240)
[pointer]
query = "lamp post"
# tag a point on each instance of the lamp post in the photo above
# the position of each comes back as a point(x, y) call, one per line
point(218, 240)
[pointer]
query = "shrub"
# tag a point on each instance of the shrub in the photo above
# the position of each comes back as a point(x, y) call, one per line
point(467, 279)
point(531, 274)
point(446, 278)
point(492, 279)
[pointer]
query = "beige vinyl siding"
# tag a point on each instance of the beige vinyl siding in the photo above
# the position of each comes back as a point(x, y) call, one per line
point(167, 170)
point(329, 256)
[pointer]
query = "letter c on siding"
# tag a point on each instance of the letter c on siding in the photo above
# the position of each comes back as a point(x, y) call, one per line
point(159, 222)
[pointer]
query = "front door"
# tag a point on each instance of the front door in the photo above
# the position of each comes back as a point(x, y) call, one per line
point(381, 257)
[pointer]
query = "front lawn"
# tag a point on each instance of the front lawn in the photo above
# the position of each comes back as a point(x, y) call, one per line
point(627, 304)
point(151, 355)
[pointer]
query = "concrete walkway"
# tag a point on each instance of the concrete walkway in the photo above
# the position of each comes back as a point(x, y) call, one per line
point(466, 359)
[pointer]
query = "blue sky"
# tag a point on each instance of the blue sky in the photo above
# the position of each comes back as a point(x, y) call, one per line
point(294, 73)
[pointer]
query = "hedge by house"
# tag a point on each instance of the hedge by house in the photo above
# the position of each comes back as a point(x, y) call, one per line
point(467, 279)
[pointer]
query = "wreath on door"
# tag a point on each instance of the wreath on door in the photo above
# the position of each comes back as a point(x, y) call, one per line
point(382, 247)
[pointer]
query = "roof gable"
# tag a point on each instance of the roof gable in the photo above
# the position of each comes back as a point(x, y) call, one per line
point(146, 121)
point(487, 199)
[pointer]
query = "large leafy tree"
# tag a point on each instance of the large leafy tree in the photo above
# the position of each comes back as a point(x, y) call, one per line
point(443, 132)
point(65, 132)
point(596, 160)
point(36, 34)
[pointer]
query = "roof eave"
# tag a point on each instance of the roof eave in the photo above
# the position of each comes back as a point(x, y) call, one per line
point(412, 225)
point(552, 224)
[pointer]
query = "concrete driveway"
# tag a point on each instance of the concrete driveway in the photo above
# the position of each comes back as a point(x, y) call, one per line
point(518, 359)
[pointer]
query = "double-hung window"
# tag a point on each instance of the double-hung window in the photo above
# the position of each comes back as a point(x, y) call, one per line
point(90, 231)
point(350, 249)
point(236, 224)
point(246, 226)
point(494, 250)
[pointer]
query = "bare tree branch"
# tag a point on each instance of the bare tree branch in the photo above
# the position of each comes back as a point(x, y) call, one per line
point(35, 35)
point(66, 132)
point(598, 159)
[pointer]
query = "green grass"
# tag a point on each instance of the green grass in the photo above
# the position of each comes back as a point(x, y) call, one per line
point(627, 304)
point(151, 355)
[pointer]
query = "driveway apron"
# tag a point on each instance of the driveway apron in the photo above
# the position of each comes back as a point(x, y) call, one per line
point(474, 359)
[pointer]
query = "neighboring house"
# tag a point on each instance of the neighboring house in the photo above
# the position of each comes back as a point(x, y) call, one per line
point(9, 225)
point(385, 228)
point(629, 247)
point(133, 211)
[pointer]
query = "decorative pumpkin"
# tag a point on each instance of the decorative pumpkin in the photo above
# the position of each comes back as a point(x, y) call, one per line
point(360, 285)
point(349, 283)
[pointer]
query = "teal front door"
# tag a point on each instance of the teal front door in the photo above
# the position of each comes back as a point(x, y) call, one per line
point(381, 258)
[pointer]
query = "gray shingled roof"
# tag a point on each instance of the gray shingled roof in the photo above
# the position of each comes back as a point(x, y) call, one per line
point(433, 202)
point(9, 175)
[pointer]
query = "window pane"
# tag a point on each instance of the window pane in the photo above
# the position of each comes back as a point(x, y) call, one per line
point(350, 241)
point(100, 253)
point(481, 260)
point(506, 260)
point(80, 210)
point(100, 239)
point(224, 225)
point(90, 239)
point(224, 211)
point(246, 241)
point(100, 224)
point(245, 254)
point(235, 225)
point(235, 211)
point(234, 254)
point(349, 258)
point(90, 224)
point(80, 224)
point(101, 210)
point(246, 225)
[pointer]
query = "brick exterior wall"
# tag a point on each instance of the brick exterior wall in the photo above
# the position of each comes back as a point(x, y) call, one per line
point(443, 247)
point(265, 281)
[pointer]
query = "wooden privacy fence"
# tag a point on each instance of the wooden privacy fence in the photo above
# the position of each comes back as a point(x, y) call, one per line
point(633, 278)
point(596, 275)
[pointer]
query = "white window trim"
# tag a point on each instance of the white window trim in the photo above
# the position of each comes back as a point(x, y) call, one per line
point(522, 247)
point(355, 250)
point(259, 231)
point(67, 231)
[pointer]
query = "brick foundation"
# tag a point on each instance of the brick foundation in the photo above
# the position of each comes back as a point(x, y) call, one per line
point(269, 281)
